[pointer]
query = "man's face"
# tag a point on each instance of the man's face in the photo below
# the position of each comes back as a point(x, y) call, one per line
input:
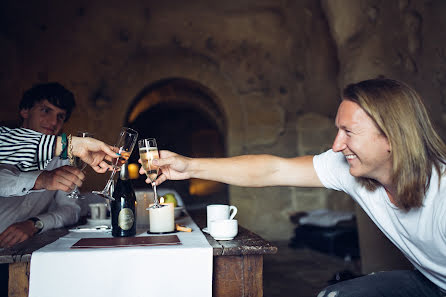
point(44, 117)
point(364, 147)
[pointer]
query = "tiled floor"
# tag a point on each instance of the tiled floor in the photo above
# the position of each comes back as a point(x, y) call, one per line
point(298, 272)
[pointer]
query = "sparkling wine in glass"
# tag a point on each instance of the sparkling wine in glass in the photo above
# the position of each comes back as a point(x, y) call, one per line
point(125, 144)
point(148, 151)
point(78, 163)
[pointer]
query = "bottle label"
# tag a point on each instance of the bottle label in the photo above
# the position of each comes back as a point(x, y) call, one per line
point(126, 219)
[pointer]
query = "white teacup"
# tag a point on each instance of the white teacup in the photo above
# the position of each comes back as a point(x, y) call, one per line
point(223, 229)
point(98, 211)
point(220, 212)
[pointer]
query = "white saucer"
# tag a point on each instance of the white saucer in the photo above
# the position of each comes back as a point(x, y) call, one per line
point(223, 238)
point(98, 222)
point(205, 229)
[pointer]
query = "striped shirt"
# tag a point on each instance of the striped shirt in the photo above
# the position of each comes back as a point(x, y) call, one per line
point(26, 149)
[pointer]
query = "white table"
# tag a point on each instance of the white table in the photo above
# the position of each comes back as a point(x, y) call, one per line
point(178, 270)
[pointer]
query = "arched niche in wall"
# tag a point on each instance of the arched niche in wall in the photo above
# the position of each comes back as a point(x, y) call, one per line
point(184, 118)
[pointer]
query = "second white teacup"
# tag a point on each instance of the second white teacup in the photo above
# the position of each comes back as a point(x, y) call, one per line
point(223, 229)
point(98, 211)
point(220, 212)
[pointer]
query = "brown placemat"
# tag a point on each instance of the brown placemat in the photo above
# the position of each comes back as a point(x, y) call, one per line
point(126, 241)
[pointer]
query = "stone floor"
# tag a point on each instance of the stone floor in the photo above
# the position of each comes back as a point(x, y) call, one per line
point(299, 272)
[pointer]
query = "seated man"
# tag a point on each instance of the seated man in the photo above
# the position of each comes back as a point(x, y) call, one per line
point(36, 201)
point(32, 201)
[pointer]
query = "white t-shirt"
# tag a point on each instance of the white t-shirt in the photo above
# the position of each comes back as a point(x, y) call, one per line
point(420, 233)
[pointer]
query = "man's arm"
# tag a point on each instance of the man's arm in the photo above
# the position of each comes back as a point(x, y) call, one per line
point(63, 211)
point(247, 170)
point(26, 148)
point(17, 233)
point(13, 182)
point(30, 150)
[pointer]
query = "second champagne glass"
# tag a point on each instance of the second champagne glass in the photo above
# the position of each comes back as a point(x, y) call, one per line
point(126, 142)
point(148, 151)
point(78, 163)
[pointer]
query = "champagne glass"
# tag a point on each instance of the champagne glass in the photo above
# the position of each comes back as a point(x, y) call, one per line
point(78, 163)
point(148, 151)
point(126, 142)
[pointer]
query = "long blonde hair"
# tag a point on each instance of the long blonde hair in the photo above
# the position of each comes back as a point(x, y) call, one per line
point(401, 116)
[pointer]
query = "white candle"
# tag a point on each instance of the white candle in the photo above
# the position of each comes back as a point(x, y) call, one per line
point(162, 219)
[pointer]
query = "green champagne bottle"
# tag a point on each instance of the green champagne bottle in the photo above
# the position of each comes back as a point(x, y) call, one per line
point(123, 215)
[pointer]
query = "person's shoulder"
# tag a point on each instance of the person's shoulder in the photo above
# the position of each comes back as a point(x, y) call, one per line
point(331, 161)
point(333, 171)
point(5, 129)
point(331, 155)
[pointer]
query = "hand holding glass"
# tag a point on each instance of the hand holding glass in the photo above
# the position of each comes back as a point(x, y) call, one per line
point(78, 163)
point(125, 144)
point(148, 151)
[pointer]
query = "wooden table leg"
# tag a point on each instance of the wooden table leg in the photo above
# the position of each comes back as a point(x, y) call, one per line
point(18, 279)
point(238, 276)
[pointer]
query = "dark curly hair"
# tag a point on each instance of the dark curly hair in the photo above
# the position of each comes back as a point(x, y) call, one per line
point(54, 92)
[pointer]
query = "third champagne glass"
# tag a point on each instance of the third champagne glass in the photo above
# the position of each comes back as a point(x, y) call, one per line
point(148, 151)
point(126, 142)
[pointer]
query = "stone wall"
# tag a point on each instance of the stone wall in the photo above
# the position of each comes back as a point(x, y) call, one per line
point(275, 68)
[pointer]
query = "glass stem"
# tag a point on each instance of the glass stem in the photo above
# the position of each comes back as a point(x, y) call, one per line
point(110, 180)
point(155, 198)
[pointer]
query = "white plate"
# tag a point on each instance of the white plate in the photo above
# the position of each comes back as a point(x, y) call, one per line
point(223, 238)
point(178, 211)
point(205, 229)
point(89, 228)
point(98, 222)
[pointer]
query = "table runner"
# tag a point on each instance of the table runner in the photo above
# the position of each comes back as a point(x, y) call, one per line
point(180, 270)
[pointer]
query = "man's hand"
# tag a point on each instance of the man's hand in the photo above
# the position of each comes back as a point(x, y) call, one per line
point(17, 233)
point(63, 178)
point(94, 152)
point(172, 165)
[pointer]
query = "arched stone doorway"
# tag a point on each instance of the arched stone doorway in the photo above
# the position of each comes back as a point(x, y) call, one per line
point(183, 116)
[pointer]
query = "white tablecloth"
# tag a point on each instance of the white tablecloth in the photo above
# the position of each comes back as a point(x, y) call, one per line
point(180, 270)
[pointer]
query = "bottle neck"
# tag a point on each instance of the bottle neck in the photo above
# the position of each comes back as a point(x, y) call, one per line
point(124, 172)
